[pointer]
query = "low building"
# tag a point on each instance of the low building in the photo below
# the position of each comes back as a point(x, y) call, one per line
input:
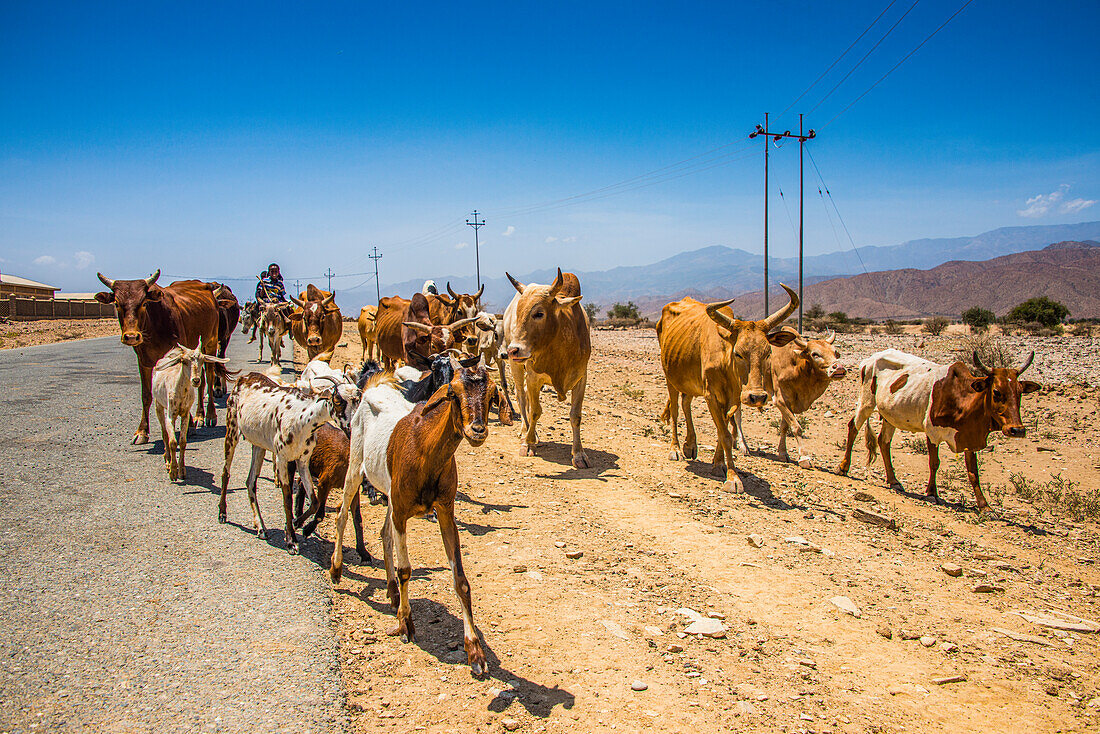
point(13, 285)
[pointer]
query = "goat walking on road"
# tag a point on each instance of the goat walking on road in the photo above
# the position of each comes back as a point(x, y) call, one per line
point(177, 377)
point(408, 453)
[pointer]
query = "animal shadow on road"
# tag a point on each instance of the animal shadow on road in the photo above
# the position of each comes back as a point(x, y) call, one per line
point(562, 454)
point(487, 507)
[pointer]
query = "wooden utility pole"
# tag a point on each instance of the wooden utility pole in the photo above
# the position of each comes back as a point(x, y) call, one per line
point(477, 256)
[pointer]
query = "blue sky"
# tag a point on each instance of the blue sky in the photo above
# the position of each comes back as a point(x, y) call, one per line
point(208, 139)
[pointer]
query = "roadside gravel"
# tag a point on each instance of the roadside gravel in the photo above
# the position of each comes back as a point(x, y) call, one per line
point(126, 606)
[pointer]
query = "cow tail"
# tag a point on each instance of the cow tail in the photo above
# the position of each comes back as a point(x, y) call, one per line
point(221, 373)
point(667, 414)
point(869, 439)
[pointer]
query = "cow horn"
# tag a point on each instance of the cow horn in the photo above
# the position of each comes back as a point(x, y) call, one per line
point(417, 326)
point(152, 278)
point(780, 316)
point(296, 302)
point(451, 290)
point(477, 296)
point(106, 281)
point(515, 283)
point(1026, 364)
point(981, 367)
point(558, 283)
point(715, 314)
point(453, 326)
point(218, 290)
point(831, 338)
point(329, 299)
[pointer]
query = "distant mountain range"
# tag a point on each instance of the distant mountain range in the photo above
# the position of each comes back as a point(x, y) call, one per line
point(1065, 271)
point(722, 272)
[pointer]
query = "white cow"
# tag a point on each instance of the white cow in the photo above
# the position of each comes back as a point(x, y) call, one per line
point(176, 379)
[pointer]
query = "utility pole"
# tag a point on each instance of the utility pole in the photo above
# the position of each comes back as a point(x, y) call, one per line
point(477, 256)
point(328, 274)
point(376, 257)
point(297, 285)
point(769, 136)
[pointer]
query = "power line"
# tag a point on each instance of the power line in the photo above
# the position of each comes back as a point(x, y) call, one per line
point(903, 60)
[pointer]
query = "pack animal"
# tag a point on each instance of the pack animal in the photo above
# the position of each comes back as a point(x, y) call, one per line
point(153, 320)
point(274, 325)
point(947, 403)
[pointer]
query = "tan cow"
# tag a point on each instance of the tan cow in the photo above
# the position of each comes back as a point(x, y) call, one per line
point(368, 331)
point(546, 336)
point(706, 352)
point(390, 318)
point(316, 324)
point(800, 373)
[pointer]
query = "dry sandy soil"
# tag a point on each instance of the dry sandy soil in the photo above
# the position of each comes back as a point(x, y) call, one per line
point(567, 637)
point(29, 333)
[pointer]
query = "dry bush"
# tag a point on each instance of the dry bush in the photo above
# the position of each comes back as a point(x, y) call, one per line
point(1058, 495)
point(1081, 328)
point(992, 350)
point(935, 325)
point(891, 327)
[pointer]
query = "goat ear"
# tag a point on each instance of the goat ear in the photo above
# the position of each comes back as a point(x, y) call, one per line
point(1027, 386)
point(295, 316)
point(105, 297)
point(980, 385)
point(211, 358)
point(566, 302)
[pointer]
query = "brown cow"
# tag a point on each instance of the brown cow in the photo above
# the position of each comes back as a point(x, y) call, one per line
point(546, 336)
point(153, 320)
point(392, 313)
point(368, 331)
point(947, 403)
point(706, 352)
point(800, 373)
point(229, 313)
point(445, 310)
point(316, 324)
point(421, 338)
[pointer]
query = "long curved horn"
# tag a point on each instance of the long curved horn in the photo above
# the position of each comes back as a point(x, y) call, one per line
point(715, 314)
point(451, 290)
point(477, 296)
point(417, 326)
point(981, 367)
point(779, 316)
point(152, 278)
point(460, 323)
point(1026, 364)
point(558, 283)
point(106, 281)
point(831, 338)
point(296, 302)
point(515, 283)
point(331, 297)
point(218, 291)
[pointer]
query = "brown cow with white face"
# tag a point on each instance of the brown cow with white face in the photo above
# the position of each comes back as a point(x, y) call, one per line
point(706, 352)
point(800, 373)
point(421, 338)
point(316, 324)
point(153, 320)
point(947, 403)
point(547, 339)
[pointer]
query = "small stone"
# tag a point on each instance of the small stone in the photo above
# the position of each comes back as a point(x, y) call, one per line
point(534, 575)
point(808, 663)
point(574, 555)
point(1094, 703)
point(707, 627)
point(806, 462)
point(716, 615)
point(746, 707)
point(559, 544)
point(1058, 671)
point(519, 569)
point(805, 717)
point(674, 648)
point(615, 628)
point(949, 647)
point(907, 634)
point(984, 589)
point(952, 569)
point(510, 724)
point(756, 541)
point(861, 496)
point(949, 679)
point(874, 518)
point(928, 641)
point(846, 605)
point(884, 631)
point(652, 631)
point(638, 685)
point(829, 414)
point(1051, 689)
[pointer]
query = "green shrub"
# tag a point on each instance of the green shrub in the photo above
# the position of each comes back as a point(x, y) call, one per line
point(978, 318)
point(1042, 310)
point(624, 311)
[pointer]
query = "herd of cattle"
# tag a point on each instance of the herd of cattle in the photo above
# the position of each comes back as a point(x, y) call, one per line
point(394, 425)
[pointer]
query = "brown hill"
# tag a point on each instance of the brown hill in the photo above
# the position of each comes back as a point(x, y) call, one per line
point(1066, 271)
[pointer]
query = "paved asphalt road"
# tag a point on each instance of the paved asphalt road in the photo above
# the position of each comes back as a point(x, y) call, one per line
point(125, 606)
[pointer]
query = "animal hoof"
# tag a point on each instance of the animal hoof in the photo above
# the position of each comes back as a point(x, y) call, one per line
point(211, 420)
point(691, 452)
point(580, 461)
point(218, 392)
point(365, 556)
point(718, 471)
point(139, 438)
point(734, 486)
point(221, 517)
point(476, 657)
point(842, 470)
point(528, 449)
point(783, 458)
point(172, 475)
point(674, 455)
point(334, 573)
point(896, 486)
point(183, 474)
point(292, 549)
point(806, 462)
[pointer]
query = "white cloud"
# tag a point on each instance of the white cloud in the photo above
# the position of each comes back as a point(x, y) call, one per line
point(551, 239)
point(1041, 205)
point(45, 260)
point(508, 232)
point(83, 259)
point(460, 245)
point(571, 238)
point(1076, 205)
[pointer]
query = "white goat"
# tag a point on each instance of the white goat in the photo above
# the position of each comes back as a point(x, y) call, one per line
point(489, 345)
point(176, 379)
point(280, 419)
point(318, 374)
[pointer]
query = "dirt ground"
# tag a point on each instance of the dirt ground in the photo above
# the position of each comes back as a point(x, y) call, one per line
point(569, 638)
point(49, 331)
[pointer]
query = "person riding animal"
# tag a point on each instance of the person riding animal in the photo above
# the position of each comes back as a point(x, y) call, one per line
point(269, 289)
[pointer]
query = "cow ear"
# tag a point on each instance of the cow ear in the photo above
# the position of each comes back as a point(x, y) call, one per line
point(295, 316)
point(781, 338)
point(105, 296)
point(1027, 386)
point(154, 293)
point(567, 302)
point(980, 385)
